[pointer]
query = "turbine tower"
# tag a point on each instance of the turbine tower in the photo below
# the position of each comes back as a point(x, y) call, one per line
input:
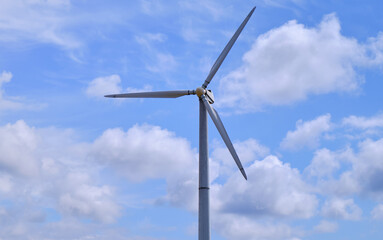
point(206, 98)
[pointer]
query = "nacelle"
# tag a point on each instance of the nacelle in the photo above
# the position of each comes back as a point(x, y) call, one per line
point(210, 96)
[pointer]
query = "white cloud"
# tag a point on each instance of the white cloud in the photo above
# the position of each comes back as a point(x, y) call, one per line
point(247, 150)
point(239, 227)
point(44, 168)
point(149, 152)
point(341, 209)
point(363, 122)
point(368, 167)
point(88, 201)
point(377, 212)
point(6, 104)
point(46, 164)
point(346, 185)
point(101, 86)
point(5, 184)
point(164, 62)
point(144, 152)
point(307, 134)
point(365, 176)
point(64, 179)
point(289, 63)
point(18, 143)
point(63, 23)
point(39, 20)
point(326, 162)
point(14, 102)
point(161, 62)
point(326, 227)
point(148, 39)
point(4, 78)
point(273, 189)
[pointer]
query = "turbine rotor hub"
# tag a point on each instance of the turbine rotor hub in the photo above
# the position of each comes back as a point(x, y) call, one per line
point(200, 91)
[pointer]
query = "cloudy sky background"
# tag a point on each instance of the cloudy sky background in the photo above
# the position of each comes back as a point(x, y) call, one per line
point(300, 95)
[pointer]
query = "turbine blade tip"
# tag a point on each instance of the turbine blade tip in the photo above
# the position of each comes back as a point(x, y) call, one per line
point(243, 173)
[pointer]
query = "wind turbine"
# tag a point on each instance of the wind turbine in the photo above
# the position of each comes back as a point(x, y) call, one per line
point(206, 98)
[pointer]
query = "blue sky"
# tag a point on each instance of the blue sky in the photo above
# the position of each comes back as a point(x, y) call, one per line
point(299, 94)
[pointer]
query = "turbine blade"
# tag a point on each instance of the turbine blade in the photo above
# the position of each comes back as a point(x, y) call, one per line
point(221, 129)
point(158, 94)
point(226, 50)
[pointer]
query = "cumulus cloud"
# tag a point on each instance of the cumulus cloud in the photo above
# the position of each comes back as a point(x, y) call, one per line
point(292, 62)
point(86, 200)
point(363, 122)
point(273, 189)
point(101, 86)
point(18, 143)
point(48, 169)
point(4, 78)
point(144, 152)
point(325, 162)
point(368, 167)
point(341, 209)
point(64, 180)
point(148, 152)
point(65, 169)
point(247, 228)
point(349, 172)
point(377, 212)
point(364, 176)
point(43, 169)
point(307, 134)
point(247, 150)
point(60, 170)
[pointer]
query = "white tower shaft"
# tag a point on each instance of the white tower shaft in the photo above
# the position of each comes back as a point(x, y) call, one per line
point(203, 192)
